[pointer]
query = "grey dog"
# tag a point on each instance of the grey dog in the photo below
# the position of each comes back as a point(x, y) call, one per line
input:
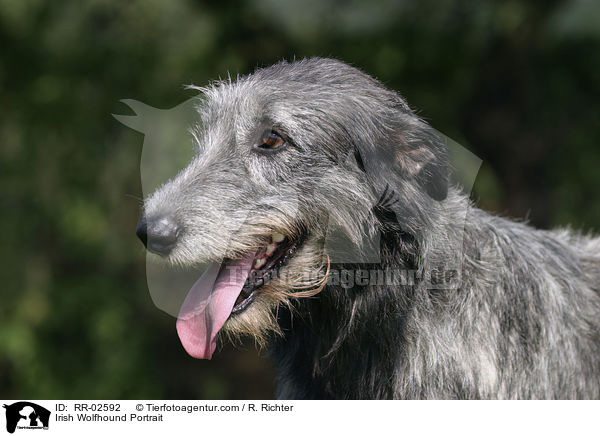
point(294, 150)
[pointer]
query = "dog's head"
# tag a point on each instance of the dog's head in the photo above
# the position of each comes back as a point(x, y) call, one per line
point(284, 155)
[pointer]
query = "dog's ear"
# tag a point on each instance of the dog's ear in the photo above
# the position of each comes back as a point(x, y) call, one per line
point(421, 155)
point(412, 152)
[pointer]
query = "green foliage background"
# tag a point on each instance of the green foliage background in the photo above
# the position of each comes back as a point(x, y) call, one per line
point(516, 82)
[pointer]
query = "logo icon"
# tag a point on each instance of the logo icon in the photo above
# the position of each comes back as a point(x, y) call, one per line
point(26, 415)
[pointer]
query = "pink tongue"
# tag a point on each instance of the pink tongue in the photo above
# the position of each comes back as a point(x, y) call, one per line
point(208, 305)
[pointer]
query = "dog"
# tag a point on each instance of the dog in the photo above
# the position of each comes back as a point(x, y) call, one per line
point(295, 152)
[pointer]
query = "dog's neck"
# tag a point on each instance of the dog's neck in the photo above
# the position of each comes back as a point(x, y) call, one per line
point(332, 345)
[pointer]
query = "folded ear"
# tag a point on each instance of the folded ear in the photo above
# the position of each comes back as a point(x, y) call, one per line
point(411, 153)
point(422, 155)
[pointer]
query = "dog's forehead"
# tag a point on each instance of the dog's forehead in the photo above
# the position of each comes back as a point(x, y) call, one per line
point(305, 99)
point(241, 107)
point(295, 83)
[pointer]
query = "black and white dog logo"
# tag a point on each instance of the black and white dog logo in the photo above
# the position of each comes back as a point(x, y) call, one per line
point(26, 415)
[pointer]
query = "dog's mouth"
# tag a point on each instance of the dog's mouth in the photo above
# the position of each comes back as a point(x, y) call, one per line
point(265, 267)
point(228, 288)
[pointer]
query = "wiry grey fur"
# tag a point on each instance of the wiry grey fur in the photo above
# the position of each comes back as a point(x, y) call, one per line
point(524, 320)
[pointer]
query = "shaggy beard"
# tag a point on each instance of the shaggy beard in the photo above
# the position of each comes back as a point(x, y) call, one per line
point(304, 276)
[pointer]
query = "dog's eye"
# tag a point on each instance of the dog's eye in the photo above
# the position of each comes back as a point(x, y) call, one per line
point(270, 140)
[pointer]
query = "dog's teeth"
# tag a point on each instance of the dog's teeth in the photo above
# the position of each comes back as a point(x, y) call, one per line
point(270, 249)
point(277, 237)
point(259, 262)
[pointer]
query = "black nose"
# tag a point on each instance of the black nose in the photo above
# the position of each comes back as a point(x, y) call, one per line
point(142, 231)
point(159, 235)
